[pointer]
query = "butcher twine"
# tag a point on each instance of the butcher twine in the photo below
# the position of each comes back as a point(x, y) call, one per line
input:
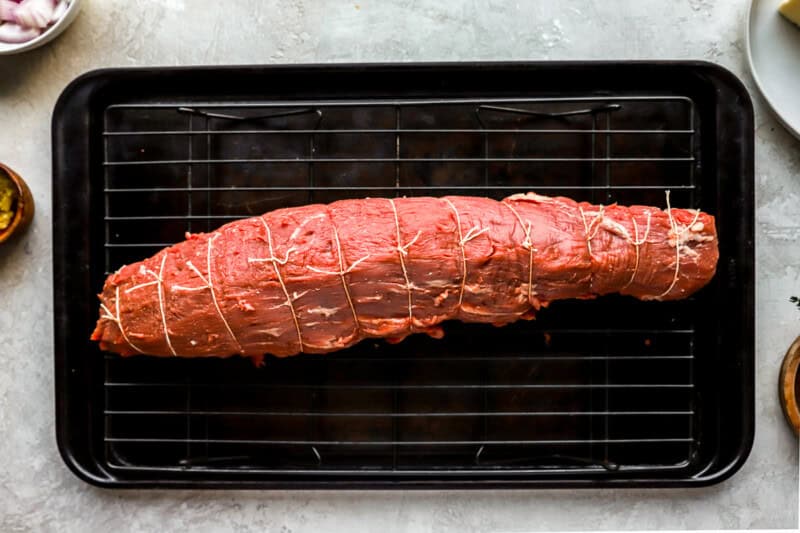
point(636, 242)
point(118, 320)
point(677, 236)
point(462, 240)
point(401, 252)
point(160, 288)
point(343, 272)
point(592, 227)
point(527, 244)
point(275, 262)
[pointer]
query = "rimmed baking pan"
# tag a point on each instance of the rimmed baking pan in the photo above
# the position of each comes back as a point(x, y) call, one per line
point(612, 392)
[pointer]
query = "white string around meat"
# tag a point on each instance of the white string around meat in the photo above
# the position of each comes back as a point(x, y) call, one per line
point(160, 283)
point(527, 244)
point(209, 284)
point(140, 286)
point(473, 233)
point(636, 242)
point(275, 262)
point(677, 236)
point(342, 273)
point(591, 228)
point(118, 320)
point(402, 251)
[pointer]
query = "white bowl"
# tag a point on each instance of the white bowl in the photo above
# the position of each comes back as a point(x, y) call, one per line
point(49, 34)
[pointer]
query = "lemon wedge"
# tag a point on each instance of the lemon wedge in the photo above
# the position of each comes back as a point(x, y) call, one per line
point(791, 10)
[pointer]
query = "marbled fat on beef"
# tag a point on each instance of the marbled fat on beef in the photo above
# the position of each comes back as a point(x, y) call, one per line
point(319, 278)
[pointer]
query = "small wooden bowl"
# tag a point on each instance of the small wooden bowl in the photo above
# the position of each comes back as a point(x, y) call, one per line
point(23, 212)
point(788, 386)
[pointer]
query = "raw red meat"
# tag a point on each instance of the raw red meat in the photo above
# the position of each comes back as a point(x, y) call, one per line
point(320, 278)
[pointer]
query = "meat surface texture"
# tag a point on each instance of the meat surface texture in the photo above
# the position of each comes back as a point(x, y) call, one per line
point(320, 278)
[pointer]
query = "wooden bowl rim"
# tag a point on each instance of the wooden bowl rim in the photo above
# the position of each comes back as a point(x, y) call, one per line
point(786, 386)
point(24, 210)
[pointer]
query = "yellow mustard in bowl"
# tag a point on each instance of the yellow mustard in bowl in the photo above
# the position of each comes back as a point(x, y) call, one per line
point(8, 197)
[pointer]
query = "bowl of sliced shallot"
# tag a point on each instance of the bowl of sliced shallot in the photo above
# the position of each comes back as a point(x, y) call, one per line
point(28, 24)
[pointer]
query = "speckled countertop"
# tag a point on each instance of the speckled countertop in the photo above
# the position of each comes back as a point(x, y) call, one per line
point(38, 493)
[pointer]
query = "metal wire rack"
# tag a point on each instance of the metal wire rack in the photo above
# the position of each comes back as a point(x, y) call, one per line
point(574, 391)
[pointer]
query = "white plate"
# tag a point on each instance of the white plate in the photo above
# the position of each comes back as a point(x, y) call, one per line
point(773, 51)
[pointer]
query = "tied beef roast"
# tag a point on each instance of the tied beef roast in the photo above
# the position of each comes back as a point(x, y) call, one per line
point(319, 278)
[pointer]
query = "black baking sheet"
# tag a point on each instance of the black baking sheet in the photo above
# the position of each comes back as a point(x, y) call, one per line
point(612, 392)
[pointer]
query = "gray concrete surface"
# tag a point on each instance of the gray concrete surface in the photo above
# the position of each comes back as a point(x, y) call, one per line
point(37, 493)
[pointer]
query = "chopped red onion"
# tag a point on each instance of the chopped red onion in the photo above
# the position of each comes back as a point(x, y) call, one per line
point(8, 10)
point(14, 33)
point(35, 13)
point(23, 20)
point(59, 11)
